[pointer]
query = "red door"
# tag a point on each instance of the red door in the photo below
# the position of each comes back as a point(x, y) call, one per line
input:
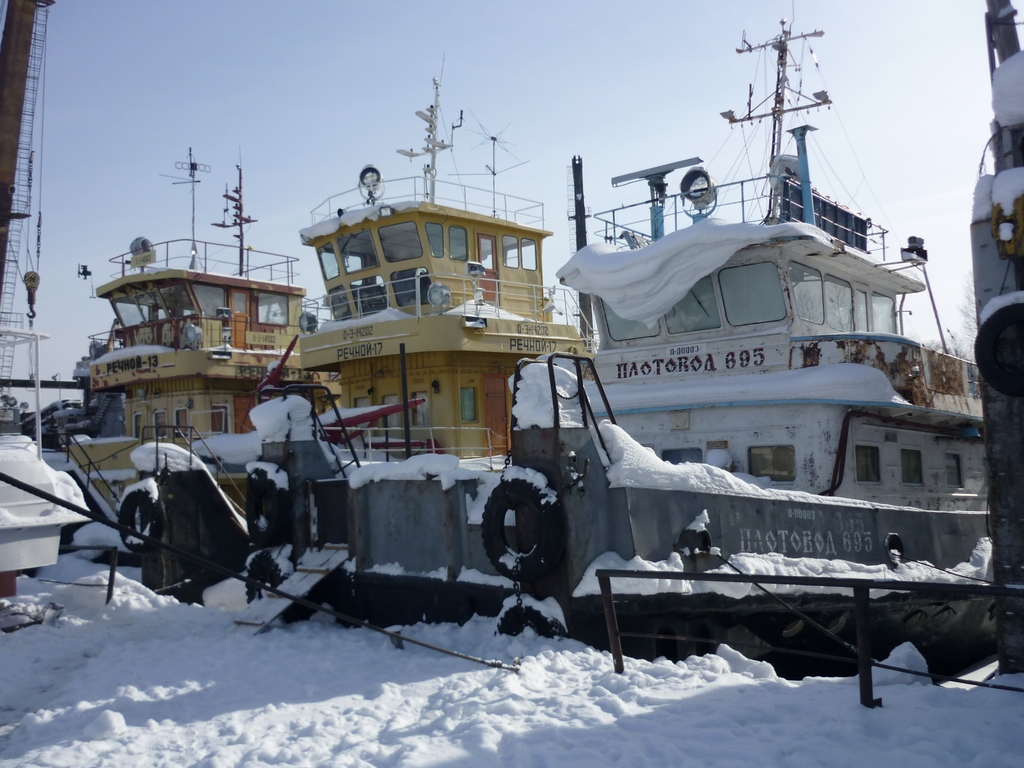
point(496, 412)
point(486, 247)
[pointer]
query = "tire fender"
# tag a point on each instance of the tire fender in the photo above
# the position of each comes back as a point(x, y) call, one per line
point(508, 496)
point(141, 512)
point(266, 510)
point(996, 369)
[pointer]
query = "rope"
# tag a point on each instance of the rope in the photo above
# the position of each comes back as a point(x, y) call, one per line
point(396, 637)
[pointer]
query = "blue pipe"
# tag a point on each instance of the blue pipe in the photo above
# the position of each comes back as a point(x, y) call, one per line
point(805, 172)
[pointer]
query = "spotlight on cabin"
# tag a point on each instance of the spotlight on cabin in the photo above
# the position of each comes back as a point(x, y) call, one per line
point(474, 269)
point(439, 296)
point(385, 211)
point(914, 252)
point(371, 183)
point(699, 188)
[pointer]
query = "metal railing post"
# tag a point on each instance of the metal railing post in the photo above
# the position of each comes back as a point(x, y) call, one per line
point(864, 660)
point(612, 622)
point(113, 574)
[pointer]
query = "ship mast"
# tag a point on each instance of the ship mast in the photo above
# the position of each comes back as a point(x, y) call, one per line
point(431, 144)
point(238, 218)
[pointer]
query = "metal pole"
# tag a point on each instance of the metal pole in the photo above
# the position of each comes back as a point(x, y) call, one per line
point(612, 622)
point(39, 417)
point(935, 310)
point(860, 614)
point(113, 574)
point(405, 400)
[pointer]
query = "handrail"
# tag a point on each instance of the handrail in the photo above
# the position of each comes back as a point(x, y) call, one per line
point(195, 255)
point(861, 590)
point(68, 441)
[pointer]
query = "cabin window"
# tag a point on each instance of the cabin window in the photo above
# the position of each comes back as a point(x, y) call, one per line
point(361, 402)
point(867, 464)
point(467, 403)
point(328, 261)
point(210, 298)
point(752, 293)
point(510, 251)
point(421, 413)
point(127, 311)
point(219, 419)
point(392, 419)
point(683, 455)
point(357, 251)
point(337, 302)
point(272, 308)
point(177, 300)
point(624, 330)
point(435, 239)
point(137, 425)
point(696, 311)
point(883, 314)
point(458, 243)
point(485, 248)
point(404, 282)
point(806, 284)
point(529, 254)
point(369, 295)
point(775, 461)
point(910, 464)
point(239, 302)
point(181, 420)
point(401, 241)
point(954, 477)
point(152, 309)
point(160, 423)
point(860, 310)
point(838, 304)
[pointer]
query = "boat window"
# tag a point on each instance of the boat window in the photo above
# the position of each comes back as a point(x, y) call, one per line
point(160, 421)
point(953, 474)
point(392, 419)
point(401, 241)
point(510, 251)
point(177, 300)
point(404, 282)
point(219, 419)
point(860, 310)
point(328, 261)
point(357, 251)
point(623, 330)
point(127, 311)
point(239, 302)
point(337, 302)
point(529, 251)
point(883, 314)
point(806, 284)
point(435, 239)
point(137, 425)
point(775, 461)
point(151, 307)
point(682, 455)
point(210, 298)
point(421, 413)
point(867, 464)
point(369, 295)
point(272, 308)
point(458, 243)
point(910, 465)
point(752, 293)
point(467, 403)
point(696, 311)
point(485, 245)
point(838, 304)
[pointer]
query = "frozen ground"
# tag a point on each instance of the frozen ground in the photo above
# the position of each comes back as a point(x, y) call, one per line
point(150, 682)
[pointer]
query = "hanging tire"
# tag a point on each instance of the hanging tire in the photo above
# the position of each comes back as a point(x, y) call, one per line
point(519, 617)
point(143, 514)
point(1000, 355)
point(266, 511)
point(262, 566)
point(512, 495)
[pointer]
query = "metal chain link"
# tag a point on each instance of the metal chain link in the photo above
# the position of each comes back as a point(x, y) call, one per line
point(516, 583)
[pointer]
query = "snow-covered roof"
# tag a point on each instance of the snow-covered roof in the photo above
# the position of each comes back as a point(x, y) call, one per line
point(645, 283)
point(351, 218)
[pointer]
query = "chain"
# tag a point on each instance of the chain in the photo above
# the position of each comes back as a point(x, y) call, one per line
point(517, 584)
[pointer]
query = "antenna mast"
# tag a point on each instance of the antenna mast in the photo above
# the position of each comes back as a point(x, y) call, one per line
point(192, 167)
point(432, 145)
point(238, 218)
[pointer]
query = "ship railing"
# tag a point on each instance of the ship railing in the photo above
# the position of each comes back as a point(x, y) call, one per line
point(468, 296)
point(186, 437)
point(387, 443)
point(108, 497)
point(169, 332)
point(474, 199)
point(858, 652)
point(210, 258)
point(750, 201)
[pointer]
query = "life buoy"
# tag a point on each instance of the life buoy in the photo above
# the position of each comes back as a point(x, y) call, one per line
point(512, 495)
point(144, 514)
point(1000, 351)
point(266, 510)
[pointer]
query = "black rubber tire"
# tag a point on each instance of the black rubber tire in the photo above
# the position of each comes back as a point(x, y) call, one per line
point(266, 511)
point(262, 567)
point(517, 618)
point(140, 512)
point(997, 377)
point(510, 495)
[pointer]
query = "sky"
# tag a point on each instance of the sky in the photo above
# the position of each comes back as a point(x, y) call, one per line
point(308, 92)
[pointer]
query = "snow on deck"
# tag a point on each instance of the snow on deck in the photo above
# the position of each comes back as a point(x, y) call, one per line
point(148, 681)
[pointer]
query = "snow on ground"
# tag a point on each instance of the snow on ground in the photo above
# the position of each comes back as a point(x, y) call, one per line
point(146, 681)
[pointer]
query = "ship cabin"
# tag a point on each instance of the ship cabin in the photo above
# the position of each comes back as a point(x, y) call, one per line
point(197, 327)
point(458, 287)
point(784, 357)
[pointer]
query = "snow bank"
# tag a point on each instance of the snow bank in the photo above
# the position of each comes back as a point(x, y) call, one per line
point(645, 283)
point(230, 448)
point(1008, 91)
point(153, 457)
point(283, 418)
point(533, 406)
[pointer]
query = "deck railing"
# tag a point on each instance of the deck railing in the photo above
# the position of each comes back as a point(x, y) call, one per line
point(214, 258)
